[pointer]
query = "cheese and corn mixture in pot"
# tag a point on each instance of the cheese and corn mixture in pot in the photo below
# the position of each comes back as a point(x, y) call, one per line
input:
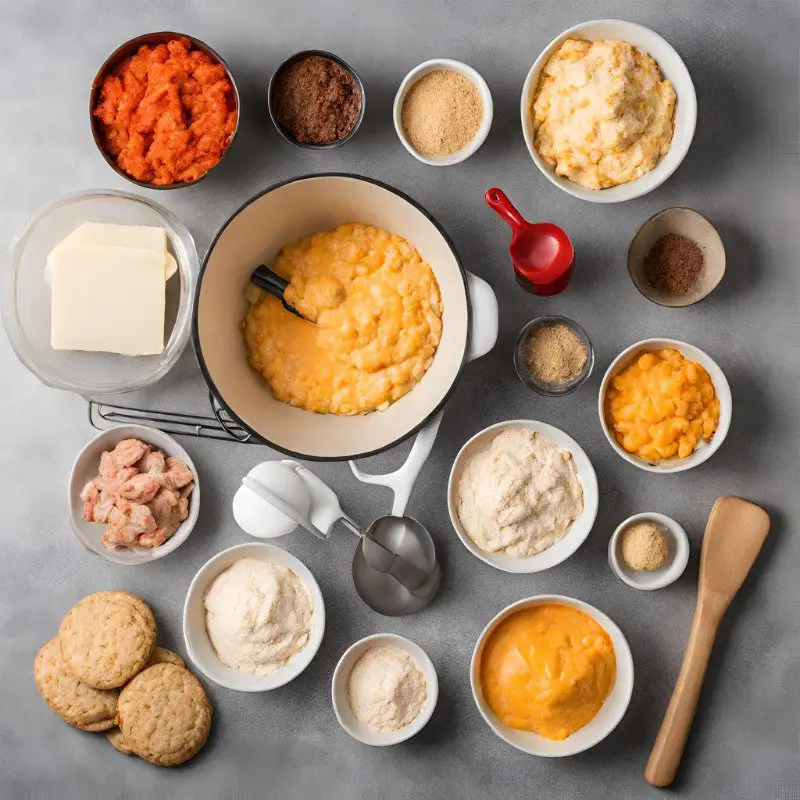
point(602, 113)
point(378, 314)
point(662, 405)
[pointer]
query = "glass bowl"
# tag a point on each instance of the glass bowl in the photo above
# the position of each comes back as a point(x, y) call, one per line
point(26, 295)
point(530, 380)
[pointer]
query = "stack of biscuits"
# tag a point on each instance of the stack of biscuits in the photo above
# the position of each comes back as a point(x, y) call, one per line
point(103, 672)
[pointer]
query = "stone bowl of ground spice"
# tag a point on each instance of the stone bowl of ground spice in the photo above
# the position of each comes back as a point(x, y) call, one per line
point(648, 551)
point(676, 258)
point(316, 100)
point(553, 356)
point(443, 112)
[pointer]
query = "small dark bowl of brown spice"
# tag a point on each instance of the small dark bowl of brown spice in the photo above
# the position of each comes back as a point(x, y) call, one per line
point(316, 100)
point(676, 258)
point(553, 356)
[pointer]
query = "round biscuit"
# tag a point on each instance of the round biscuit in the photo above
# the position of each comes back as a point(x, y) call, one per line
point(107, 638)
point(164, 715)
point(118, 741)
point(75, 702)
point(161, 655)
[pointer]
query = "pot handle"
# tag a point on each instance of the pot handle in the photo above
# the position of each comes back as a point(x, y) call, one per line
point(219, 413)
point(485, 317)
point(401, 481)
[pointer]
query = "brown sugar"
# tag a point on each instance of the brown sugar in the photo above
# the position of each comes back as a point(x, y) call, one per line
point(644, 547)
point(441, 113)
point(317, 100)
point(673, 264)
point(554, 353)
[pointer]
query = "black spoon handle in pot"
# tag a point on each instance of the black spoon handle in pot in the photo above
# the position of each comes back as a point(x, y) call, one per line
point(271, 282)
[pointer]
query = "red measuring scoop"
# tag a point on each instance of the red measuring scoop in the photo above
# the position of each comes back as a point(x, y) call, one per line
point(541, 252)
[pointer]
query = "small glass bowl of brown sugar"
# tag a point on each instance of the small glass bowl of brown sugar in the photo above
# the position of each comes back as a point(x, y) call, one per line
point(553, 356)
point(316, 100)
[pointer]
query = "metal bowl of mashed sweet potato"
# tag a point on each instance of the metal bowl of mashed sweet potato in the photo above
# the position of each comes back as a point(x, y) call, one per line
point(185, 114)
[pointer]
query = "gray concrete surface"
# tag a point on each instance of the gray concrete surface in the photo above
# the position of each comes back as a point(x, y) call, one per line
point(742, 172)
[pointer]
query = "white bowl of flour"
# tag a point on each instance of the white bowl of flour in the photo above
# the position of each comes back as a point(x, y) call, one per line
point(384, 689)
point(254, 618)
point(545, 511)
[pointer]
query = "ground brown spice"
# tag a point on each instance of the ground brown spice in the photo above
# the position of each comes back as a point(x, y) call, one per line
point(441, 113)
point(644, 547)
point(673, 264)
point(317, 100)
point(554, 353)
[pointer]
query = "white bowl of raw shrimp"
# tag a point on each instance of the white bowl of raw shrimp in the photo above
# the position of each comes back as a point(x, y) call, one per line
point(150, 480)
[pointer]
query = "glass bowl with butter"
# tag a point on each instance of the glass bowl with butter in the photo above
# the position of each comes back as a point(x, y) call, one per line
point(82, 295)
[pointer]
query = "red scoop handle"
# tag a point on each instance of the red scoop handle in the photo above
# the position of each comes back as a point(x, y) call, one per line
point(496, 199)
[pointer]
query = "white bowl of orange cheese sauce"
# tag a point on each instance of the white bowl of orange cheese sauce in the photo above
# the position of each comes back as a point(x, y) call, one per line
point(552, 675)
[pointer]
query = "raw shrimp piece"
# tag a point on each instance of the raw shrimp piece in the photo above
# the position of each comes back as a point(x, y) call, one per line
point(187, 490)
point(141, 488)
point(128, 452)
point(154, 538)
point(90, 495)
point(107, 467)
point(162, 506)
point(177, 473)
point(111, 484)
point(127, 521)
point(102, 508)
point(152, 462)
point(183, 508)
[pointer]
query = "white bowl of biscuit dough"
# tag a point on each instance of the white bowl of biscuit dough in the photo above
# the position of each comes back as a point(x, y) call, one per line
point(198, 643)
point(576, 533)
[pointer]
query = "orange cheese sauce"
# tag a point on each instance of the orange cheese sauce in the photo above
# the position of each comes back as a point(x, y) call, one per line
point(548, 669)
point(378, 314)
point(168, 113)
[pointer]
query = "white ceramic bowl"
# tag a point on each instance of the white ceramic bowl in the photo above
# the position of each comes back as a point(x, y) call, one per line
point(670, 571)
point(339, 690)
point(577, 533)
point(86, 467)
point(672, 68)
point(488, 109)
point(606, 719)
point(704, 449)
point(199, 646)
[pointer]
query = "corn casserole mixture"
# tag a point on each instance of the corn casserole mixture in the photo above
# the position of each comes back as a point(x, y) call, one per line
point(378, 316)
point(602, 113)
point(662, 405)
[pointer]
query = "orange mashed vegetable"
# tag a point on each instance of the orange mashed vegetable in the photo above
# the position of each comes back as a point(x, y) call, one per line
point(548, 669)
point(168, 113)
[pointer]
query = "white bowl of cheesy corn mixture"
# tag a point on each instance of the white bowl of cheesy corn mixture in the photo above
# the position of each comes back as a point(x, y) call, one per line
point(603, 140)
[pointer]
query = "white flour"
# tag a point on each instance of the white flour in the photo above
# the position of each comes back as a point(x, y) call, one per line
point(386, 689)
point(258, 615)
point(519, 495)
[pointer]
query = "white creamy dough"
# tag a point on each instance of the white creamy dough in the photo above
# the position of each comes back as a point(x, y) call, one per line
point(519, 495)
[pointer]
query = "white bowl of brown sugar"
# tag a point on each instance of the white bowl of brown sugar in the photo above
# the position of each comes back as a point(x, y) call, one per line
point(443, 112)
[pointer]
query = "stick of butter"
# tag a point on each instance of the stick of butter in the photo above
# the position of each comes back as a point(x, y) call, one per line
point(108, 299)
point(146, 237)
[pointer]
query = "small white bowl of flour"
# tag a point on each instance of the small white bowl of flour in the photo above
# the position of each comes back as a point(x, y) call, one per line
point(384, 689)
point(253, 618)
point(522, 496)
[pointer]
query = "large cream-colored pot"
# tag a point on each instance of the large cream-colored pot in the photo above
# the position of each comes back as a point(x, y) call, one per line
point(253, 236)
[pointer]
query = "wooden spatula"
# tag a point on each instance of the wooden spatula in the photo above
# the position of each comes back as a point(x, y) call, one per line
point(734, 534)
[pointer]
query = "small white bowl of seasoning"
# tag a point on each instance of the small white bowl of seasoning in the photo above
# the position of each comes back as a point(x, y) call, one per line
point(367, 659)
point(646, 560)
point(436, 113)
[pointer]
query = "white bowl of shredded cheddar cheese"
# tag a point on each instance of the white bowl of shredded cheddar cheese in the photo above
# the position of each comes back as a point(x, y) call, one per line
point(636, 141)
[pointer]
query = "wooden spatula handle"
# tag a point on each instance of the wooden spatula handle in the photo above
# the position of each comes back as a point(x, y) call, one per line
point(668, 749)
